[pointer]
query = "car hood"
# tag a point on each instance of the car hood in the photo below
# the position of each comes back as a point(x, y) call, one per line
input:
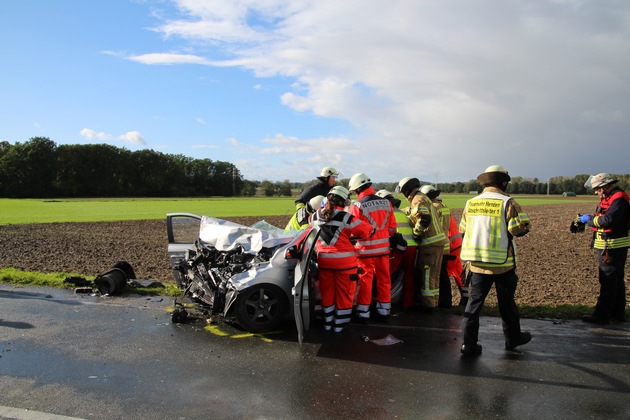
point(226, 236)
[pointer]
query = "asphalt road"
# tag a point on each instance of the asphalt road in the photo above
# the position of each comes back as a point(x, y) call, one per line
point(63, 354)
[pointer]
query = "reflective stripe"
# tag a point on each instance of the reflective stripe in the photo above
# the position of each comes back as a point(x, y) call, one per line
point(486, 239)
point(363, 311)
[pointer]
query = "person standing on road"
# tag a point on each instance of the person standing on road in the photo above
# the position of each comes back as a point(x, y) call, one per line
point(374, 251)
point(325, 182)
point(431, 238)
point(403, 251)
point(337, 257)
point(445, 299)
point(611, 239)
point(489, 223)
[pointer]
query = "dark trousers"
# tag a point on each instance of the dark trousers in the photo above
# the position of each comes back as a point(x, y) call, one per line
point(611, 302)
point(480, 285)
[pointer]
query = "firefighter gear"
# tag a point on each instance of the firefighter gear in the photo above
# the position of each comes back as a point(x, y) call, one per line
point(337, 261)
point(428, 230)
point(611, 238)
point(299, 220)
point(489, 222)
point(374, 251)
point(325, 181)
point(406, 258)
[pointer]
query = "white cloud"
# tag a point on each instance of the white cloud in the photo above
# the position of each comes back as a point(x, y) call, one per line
point(201, 121)
point(133, 137)
point(91, 134)
point(434, 88)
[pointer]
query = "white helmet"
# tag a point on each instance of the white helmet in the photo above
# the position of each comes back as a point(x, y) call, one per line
point(316, 202)
point(406, 185)
point(599, 180)
point(426, 189)
point(328, 171)
point(383, 193)
point(340, 191)
point(494, 175)
point(358, 180)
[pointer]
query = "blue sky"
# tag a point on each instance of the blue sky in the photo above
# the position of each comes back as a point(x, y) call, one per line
point(436, 89)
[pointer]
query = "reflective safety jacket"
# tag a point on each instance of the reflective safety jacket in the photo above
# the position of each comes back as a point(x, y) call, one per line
point(379, 213)
point(434, 234)
point(334, 249)
point(445, 218)
point(489, 221)
point(611, 222)
point(403, 226)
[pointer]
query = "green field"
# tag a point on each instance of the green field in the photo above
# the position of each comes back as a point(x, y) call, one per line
point(23, 211)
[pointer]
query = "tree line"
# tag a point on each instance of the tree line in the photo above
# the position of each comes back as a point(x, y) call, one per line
point(39, 168)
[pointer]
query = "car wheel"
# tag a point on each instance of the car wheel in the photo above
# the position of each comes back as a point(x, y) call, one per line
point(397, 284)
point(261, 308)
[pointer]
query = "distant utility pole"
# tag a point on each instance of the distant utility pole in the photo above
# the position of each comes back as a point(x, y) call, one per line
point(548, 184)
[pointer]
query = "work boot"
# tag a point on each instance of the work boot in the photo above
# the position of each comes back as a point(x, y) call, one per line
point(524, 339)
point(471, 349)
point(592, 319)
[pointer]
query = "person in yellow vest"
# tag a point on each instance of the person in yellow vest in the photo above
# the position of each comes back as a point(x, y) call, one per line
point(489, 223)
point(428, 231)
point(611, 238)
point(402, 250)
point(445, 299)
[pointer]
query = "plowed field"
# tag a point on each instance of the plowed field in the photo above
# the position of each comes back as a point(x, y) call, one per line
point(555, 266)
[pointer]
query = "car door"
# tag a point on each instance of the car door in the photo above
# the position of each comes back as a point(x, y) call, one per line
point(303, 291)
point(182, 230)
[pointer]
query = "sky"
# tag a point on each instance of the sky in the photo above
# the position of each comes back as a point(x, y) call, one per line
point(433, 89)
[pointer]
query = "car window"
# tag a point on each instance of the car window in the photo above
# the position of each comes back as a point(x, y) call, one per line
point(185, 229)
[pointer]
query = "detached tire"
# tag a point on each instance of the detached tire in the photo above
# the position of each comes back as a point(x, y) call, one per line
point(261, 308)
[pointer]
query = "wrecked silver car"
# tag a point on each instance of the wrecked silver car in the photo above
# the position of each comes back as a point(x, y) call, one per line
point(256, 275)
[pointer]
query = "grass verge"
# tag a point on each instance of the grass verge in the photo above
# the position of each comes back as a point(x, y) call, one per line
point(75, 281)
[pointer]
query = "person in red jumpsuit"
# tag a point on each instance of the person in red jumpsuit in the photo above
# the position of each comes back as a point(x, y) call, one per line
point(374, 251)
point(337, 257)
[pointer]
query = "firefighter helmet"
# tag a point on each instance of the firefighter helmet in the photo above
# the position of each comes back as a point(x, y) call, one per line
point(429, 191)
point(328, 171)
point(358, 180)
point(406, 185)
point(383, 193)
point(495, 175)
point(316, 202)
point(599, 180)
point(340, 191)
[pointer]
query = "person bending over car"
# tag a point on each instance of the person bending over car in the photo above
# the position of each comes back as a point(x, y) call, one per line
point(337, 257)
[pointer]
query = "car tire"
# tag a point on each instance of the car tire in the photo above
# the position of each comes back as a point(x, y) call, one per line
point(261, 308)
point(397, 285)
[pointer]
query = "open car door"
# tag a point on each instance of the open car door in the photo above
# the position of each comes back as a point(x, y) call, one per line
point(303, 289)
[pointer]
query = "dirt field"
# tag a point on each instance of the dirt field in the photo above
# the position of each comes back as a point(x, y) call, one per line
point(555, 266)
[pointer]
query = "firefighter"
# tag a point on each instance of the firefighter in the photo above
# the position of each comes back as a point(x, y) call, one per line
point(428, 231)
point(445, 298)
point(611, 239)
point(325, 182)
point(310, 208)
point(374, 251)
point(489, 223)
point(403, 248)
point(337, 257)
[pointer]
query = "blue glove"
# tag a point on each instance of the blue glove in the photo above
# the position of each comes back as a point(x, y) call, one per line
point(585, 218)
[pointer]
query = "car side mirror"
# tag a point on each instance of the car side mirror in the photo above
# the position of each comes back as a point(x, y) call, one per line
point(292, 253)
